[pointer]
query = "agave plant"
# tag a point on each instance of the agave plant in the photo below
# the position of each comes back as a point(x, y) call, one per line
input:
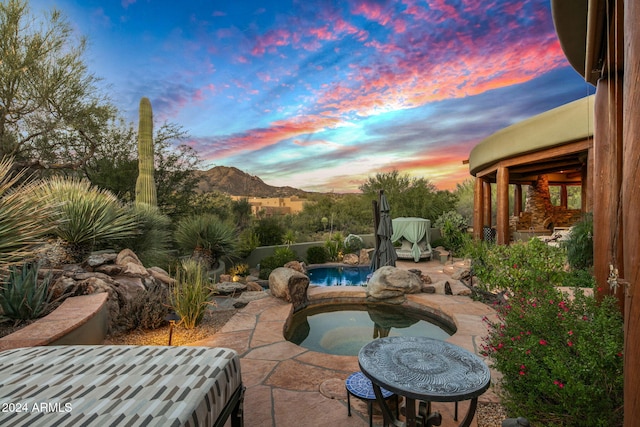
point(86, 216)
point(23, 220)
point(22, 297)
point(206, 238)
point(153, 242)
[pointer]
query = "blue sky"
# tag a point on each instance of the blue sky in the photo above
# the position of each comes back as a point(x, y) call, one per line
point(320, 94)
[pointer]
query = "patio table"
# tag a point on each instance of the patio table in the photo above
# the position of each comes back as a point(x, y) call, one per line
point(426, 370)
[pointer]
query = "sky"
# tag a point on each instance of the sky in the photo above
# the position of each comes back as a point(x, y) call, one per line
point(323, 94)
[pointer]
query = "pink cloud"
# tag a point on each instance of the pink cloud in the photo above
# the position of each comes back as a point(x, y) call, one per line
point(270, 40)
point(372, 11)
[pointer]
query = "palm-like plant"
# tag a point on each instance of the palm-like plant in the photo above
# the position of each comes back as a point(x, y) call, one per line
point(23, 220)
point(206, 238)
point(86, 216)
point(153, 243)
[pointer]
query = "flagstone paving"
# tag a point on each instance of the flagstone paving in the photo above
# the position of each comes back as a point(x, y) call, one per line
point(290, 386)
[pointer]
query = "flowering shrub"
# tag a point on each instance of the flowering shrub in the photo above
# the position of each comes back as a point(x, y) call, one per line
point(518, 266)
point(561, 358)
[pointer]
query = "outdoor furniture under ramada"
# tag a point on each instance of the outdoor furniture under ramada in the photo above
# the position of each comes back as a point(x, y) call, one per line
point(120, 385)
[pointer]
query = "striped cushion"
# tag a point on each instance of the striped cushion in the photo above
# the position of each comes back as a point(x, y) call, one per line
point(116, 385)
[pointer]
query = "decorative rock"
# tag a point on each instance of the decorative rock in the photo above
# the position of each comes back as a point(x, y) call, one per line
point(97, 259)
point(134, 270)
point(428, 289)
point(254, 287)
point(230, 288)
point(225, 278)
point(109, 269)
point(364, 258)
point(161, 275)
point(125, 256)
point(391, 284)
point(290, 285)
point(351, 259)
point(297, 266)
point(247, 297)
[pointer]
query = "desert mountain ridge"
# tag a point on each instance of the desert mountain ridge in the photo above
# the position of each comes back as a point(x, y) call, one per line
point(234, 182)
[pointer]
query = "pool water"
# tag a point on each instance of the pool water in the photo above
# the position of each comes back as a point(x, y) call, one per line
point(339, 275)
point(343, 329)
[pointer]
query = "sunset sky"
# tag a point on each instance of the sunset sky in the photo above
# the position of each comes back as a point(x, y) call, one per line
point(320, 94)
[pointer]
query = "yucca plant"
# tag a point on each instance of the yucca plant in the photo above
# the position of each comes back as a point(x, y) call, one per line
point(22, 297)
point(23, 220)
point(191, 294)
point(86, 216)
point(206, 238)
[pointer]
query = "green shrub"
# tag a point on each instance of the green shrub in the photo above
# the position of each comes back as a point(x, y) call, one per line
point(23, 220)
point(335, 246)
point(269, 232)
point(580, 244)
point(206, 238)
point(317, 255)
point(22, 296)
point(247, 241)
point(280, 257)
point(353, 243)
point(454, 230)
point(153, 242)
point(191, 293)
point(147, 309)
point(560, 358)
point(85, 217)
point(518, 266)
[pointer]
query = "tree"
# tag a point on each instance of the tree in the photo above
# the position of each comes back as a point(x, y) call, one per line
point(115, 166)
point(409, 197)
point(52, 114)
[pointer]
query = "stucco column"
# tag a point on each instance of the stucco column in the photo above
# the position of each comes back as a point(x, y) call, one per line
point(478, 209)
point(631, 210)
point(502, 218)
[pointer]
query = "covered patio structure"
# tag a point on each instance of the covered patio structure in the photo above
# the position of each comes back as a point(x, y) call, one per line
point(552, 148)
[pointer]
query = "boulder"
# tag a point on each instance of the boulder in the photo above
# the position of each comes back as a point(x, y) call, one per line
point(391, 284)
point(351, 259)
point(97, 259)
point(254, 287)
point(247, 297)
point(290, 285)
point(461, 273)
point(230, 288)
point(297, 266)
point(364, 258)
point(161, 275)
point(133, 269)
point(125, 256)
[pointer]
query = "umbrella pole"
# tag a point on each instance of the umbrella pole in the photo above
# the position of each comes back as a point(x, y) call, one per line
point(376, 223)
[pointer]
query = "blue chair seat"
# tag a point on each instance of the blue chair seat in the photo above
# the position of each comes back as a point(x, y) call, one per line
point(360, 386)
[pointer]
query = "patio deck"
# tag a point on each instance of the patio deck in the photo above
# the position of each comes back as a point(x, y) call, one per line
point(288, 385)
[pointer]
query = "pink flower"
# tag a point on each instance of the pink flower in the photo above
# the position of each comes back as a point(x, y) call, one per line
point(528, 352)
point(522, 373)
point(570, 332)
point(522, 367)
point(542, 342)
point(570, 343)
point(558, 383)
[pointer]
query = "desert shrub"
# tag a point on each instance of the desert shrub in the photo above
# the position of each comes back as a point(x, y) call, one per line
point(317, 255)
point(206, 238)
point(280, 257)
point(239, 270)
point(269, 231)
point(335, 246)
point(23, 223)
point(153, 242)
point(518, 266)
point(22, 295)
point(247, 241)
point(454, 230)
point(579, 279)
point(85, 217)
point(580, 243)
point(353, 243)
point(148, 309)
point(191, 294)
point(560, 358)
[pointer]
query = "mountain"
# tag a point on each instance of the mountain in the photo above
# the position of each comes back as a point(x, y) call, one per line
point(234, 182)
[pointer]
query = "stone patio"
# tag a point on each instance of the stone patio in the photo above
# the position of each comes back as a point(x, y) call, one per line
point(288, 385)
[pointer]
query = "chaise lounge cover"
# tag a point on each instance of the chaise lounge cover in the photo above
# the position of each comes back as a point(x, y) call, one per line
point(118, 385)
point(417, 232)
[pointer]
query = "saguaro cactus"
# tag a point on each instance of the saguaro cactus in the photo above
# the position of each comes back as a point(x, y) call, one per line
point(145, 185)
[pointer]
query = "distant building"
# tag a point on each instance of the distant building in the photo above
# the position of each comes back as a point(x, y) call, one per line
point(271, 206)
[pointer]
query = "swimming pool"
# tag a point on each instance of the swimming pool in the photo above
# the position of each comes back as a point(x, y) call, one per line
point(342, 329)
point(339, 275)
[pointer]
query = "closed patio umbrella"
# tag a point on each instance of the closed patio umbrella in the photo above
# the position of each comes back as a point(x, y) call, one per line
point(385, 253)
